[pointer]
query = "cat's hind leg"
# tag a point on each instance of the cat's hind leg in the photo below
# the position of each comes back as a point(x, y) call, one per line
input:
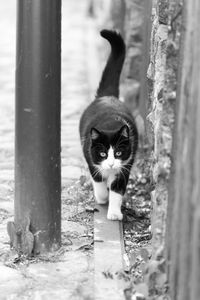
point(100, 191)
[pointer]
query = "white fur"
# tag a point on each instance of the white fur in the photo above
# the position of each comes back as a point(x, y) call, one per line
point(100, 192)
point(114, 209)
point(109, 168)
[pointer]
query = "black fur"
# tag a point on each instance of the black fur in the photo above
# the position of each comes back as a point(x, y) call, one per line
point(109, 85)
point(107, 122)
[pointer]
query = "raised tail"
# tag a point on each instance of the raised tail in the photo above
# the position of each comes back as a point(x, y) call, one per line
point(109, 84)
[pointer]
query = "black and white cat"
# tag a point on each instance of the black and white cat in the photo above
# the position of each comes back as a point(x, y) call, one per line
point(108, 133)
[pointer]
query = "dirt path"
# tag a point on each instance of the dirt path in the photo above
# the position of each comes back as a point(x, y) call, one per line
point(67, 274)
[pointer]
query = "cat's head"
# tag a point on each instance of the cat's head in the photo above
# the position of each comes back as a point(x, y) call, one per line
point(110, 150)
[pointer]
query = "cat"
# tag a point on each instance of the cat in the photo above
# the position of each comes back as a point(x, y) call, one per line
point(108, 133)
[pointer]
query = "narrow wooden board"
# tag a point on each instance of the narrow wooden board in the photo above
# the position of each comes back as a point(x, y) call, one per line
point(108, 256)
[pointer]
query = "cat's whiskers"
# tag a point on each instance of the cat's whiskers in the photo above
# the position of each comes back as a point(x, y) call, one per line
point(126, 162)
point(126, 169)
point(121, 172)
point(97, 172)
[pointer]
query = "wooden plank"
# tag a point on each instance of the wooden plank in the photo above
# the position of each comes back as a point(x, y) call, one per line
point(184, 200)
point(108, 256)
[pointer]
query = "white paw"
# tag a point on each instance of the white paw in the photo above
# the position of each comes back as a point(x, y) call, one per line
point(100, 192)
point(114, 215)
point(101, 200)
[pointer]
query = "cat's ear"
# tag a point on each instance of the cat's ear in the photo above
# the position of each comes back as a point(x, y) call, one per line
point(94, 133)
point(124, 131)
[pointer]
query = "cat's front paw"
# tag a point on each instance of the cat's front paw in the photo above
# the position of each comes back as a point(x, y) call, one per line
point(100, 192)
point(100, 200)
point(114, 215)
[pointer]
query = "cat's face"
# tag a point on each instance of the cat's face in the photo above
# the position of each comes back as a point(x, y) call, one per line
point(111, 150)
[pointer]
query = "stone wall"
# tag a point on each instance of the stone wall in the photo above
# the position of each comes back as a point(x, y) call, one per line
point(162, 81)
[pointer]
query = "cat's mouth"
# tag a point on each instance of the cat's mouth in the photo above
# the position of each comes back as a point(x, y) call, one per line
point(113, 169)
point(108, 169)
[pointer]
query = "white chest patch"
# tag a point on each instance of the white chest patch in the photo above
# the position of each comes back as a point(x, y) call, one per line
point(110, 167)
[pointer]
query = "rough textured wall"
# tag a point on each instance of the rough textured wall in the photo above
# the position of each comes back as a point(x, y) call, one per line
point(159, 133)
point(162, 77)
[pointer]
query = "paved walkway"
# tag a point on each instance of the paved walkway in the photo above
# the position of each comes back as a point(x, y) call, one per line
point(7, 80)
point(72, 276)
point(79, 76)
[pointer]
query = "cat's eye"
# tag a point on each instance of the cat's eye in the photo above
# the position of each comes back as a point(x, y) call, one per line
point(118, 153)
point(102, 154)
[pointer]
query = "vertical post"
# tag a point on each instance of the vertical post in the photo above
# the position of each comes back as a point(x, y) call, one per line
point(37, 144)
point(184, 200)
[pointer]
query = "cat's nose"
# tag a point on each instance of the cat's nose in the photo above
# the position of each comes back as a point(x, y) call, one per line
point(111, 164)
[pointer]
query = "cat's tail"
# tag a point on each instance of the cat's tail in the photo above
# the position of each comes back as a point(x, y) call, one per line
point(109, 84)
